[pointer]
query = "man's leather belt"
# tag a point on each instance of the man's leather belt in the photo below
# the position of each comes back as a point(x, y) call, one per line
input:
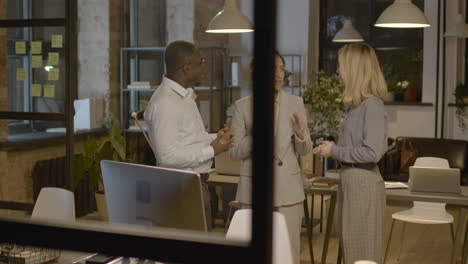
point(367, 166)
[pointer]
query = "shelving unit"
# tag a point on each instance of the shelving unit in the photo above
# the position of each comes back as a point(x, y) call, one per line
point(293, 65)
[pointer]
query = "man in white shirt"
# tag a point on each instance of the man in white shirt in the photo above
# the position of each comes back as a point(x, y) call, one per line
point(176, 127)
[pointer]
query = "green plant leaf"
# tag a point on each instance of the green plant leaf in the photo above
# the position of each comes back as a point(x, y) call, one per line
point(324, 93)
point(118, 142)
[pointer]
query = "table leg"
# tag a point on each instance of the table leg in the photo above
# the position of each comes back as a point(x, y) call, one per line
point(331, 212)
point(321, 212)
point(340, 253)
point(309, 226)
point(459, 234)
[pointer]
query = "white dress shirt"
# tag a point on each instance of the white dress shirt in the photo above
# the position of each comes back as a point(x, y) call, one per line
point(176, 129)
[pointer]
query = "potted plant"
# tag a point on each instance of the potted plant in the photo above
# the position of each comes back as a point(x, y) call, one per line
point(403, 74)
point(394, 92)
point(110, 147)
point(324, 98)
point(461, 101)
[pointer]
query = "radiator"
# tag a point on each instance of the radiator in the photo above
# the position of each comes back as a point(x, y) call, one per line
point(51, 173)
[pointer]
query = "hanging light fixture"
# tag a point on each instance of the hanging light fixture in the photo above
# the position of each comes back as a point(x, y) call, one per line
point(348, 33)
point(230, 20)
point(402, 14)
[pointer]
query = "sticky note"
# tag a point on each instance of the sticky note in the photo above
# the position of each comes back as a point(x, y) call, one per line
point(20, 74)
point(36, 47)
point(53, 74)
point(57, 41)
point(36, 90)
point(20, 47)
point(53, 58)
point(36, 61)
point(49, 90)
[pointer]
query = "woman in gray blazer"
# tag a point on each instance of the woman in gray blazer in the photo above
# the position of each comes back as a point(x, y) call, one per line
point(361, 143)
point(291, 140)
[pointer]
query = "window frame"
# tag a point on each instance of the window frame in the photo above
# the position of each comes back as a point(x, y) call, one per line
point(108, 241)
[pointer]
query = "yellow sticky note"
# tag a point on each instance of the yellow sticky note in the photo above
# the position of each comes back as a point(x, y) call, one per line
point(36, 90)
point(36, 61)
point(36, 47)
point(57, 41)
point(20, 47)
point(53, 74)
point(20, 74)
point(49, 90)
point(53, 58)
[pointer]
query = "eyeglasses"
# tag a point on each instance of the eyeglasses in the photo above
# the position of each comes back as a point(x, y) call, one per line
point(201, 62)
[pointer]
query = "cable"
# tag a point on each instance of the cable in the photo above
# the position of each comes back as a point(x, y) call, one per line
point(135, 116)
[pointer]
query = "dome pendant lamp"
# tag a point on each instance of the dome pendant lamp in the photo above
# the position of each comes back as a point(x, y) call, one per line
point(402, 14)
point(230, 20)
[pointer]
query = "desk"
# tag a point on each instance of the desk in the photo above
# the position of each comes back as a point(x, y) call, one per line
point(391, 195)
point(398, 195)
point(223, 179)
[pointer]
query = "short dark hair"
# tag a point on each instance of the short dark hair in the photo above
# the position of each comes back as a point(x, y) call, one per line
point(275, 53)
point(176, 54)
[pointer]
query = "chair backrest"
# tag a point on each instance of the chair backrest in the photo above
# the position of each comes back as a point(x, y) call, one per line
point(240, 229)
point(431, 162)
point(54, 204)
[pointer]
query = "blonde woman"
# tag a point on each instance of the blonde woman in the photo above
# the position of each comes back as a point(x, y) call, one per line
point(361, 144)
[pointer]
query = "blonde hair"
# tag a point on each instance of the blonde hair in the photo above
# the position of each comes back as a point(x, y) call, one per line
point(361, 74)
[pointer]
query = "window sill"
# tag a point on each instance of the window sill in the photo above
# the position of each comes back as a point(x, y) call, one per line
point(454, 105)
point(409, 103)
point(42, 139)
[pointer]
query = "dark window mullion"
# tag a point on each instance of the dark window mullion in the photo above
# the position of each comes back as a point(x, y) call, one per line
point(32, 116)
point(46, 22)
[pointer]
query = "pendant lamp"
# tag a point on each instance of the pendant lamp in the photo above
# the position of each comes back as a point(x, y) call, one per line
point(230, 20)
point(348, 33)
point(402, 14)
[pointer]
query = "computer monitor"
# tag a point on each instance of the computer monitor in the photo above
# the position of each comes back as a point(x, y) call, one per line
point(149, 195)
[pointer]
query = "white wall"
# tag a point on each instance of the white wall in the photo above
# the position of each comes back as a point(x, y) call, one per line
point(93, 48)
point(180, 20)
point(410, 121)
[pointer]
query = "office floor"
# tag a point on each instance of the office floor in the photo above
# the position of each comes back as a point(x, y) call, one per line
point(422, 243)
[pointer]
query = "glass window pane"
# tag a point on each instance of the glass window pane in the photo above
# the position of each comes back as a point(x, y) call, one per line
point(35, 61)
point(399, 50)
point(35, 9)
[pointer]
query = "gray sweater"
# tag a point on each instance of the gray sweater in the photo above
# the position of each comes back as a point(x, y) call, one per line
point(363, 135)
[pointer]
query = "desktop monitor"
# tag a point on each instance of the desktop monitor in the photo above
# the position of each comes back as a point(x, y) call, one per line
point(149, 195)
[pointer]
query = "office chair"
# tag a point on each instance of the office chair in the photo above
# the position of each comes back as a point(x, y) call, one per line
point(241, 228)
point(135, 116)
point(54, 204)
point(423, 212)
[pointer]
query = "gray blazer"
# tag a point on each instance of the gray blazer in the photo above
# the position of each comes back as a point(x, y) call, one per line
point(288, 180)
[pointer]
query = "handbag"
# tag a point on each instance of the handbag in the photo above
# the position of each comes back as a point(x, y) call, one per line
point(408, 156)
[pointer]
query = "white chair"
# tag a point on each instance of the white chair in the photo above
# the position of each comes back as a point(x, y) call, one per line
point(241, 227)
point(54, 204)
point(423, 212)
